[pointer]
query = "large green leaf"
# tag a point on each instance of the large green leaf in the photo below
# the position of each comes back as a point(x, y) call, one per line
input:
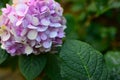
point(82, 62)
point(53, 68)
point(3, 55)
point(31, 66)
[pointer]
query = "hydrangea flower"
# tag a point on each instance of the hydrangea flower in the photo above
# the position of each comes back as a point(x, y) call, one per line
point(31, 26)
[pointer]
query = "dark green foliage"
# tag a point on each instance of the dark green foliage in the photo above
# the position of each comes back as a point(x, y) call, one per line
point(3, 55)
point(32, 66)
point(3, 3)
point(52, 69)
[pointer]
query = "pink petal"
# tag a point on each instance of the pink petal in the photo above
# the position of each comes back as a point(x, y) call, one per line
point(32, 27)
point(19, 22)
point(44, 8)
point(5, 36)
point(21, 9)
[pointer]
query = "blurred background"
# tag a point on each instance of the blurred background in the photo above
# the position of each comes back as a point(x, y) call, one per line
point(96, 22)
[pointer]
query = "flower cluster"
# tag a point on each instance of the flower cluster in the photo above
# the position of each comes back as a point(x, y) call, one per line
point(31, 26)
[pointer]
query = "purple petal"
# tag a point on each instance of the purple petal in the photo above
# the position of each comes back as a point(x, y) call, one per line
point(61, 35)
point(42, 28)
point(38, 38)
point(47, 44)
point(43, 36)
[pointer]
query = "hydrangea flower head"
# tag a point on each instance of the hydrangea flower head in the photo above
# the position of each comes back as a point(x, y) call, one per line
point(31, 26)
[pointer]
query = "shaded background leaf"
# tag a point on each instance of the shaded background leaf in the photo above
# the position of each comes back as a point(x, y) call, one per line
point(3, 55)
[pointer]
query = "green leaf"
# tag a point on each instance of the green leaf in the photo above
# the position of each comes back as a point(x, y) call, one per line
point(3, 55)
point(112, 59)
point(31, 66)
point(82, 62)
point(53, 68)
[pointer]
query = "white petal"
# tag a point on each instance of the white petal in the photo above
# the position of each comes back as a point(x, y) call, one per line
point(47, 44)
point(28, 50)
point(33, 43)
point(35, 21)
point(21, 7)
point(55, 25)
point(38, 38)
point(5, 36)
point(3, 46)
point(38, 46)
point(45, 22)
point(18, 39)
point(47, 50)
point(53, 34)
point(32, 34)
point(13, 31)
point(12, 18)
point(64, 27)
point(19, 22)
point(23, 32)
point(42, 28)
point(32, 27)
